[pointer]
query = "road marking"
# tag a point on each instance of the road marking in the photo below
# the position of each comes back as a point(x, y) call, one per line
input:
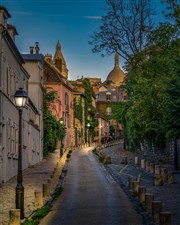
point(107, 175)
point(123, 169)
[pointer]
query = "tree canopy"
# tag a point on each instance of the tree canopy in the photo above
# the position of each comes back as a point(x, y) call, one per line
point(124, 29)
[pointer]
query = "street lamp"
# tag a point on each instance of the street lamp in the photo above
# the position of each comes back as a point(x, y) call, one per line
point(88, 138)
point(20, 98)
point(61, 139)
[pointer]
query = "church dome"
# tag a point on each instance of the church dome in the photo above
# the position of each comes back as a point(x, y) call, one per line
point(117, 76)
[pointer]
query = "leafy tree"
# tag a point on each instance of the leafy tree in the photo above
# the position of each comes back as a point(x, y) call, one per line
point(153, 88)
point(118, 112)
point(124, 29)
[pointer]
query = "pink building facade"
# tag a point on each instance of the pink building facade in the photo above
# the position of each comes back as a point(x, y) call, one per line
point(55, 80)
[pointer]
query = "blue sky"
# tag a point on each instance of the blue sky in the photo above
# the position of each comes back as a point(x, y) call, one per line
point(69, 21)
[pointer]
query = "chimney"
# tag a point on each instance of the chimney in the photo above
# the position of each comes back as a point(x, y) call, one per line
point(37, 48)
point(31, 50)
point(4, 16)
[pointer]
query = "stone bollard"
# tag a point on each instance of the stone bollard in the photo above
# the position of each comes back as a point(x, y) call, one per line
point(45, 190)
point(131, 179)
point(124, 160)
point(148, 202)
point(152, 167)
point(15, 217)
point(157, 169)
point(147, 166)
point(143, 163)
point(39, 198)
point(141, 193)
point(165, 218)
point(164, 173)
point(170, 178)
point(136, 160)
point(158, 180)
point(156, 209)
point(135, 185)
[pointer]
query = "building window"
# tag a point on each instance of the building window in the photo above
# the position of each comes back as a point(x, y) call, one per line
point(108, 96)
point(66, 99)
point(68, 120)
point(108, 110)
point(8, 81)
point(12, 137)
point(9, 136)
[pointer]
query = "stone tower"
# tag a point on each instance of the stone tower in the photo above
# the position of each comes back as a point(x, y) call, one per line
point(60, 62)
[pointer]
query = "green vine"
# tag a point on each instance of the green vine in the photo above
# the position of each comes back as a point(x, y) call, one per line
point(78, 110)
point(53, 129)
point(90, 110)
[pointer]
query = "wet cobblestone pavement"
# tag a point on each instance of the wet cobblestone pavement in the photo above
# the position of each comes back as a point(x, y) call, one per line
point(168, 194)
point(33, 178)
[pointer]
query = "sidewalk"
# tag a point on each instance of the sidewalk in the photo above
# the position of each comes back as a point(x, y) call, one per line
point(33, 180)
point(168, 194)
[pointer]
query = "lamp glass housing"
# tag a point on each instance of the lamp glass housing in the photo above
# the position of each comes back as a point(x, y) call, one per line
point(20, 98)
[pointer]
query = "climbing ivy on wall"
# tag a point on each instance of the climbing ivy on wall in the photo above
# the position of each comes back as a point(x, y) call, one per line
point(78, 110)
point(90, 110)
point(53, 129)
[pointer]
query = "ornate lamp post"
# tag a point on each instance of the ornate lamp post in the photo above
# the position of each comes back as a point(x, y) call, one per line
point(61, 139)
point(20, 98)
point(88, 133)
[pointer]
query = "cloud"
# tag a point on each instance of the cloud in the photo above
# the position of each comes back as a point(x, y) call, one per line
point(22, 13)
point(86, 17)
point(92, 17)
point(55, 15)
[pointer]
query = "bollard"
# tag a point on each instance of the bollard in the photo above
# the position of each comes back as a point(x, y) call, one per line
point(141, 193)
point(164, 173)
point(131, 179)
point(165, 218)
point(152, 167)
point(158, 180)
point(143, 163)
point(148, 202)
point(15, 217)
point(156, 209)
point(157, 169)
point(170, 178)
point(39, 198)
point(147, 166)
point(135, 185)
point(136, 160)
point(124, 160)
point(45, 190)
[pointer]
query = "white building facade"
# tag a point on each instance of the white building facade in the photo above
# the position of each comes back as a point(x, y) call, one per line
point(13, 76)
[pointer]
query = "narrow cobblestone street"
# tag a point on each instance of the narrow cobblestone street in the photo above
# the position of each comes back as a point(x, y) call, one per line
point(35, 177)
point(91, 196)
